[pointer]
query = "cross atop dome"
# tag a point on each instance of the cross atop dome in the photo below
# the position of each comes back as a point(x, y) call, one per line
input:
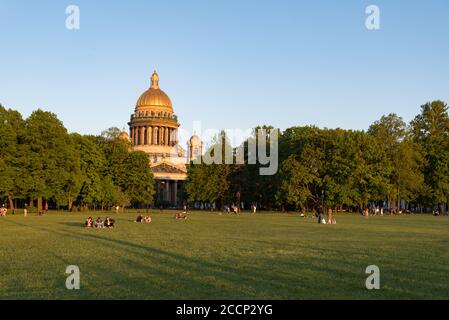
point(155, 80)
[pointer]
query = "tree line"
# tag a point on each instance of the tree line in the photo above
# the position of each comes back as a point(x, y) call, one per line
point(403, 164)
point(40, 162)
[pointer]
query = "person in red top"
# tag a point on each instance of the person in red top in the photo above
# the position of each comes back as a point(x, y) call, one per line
point(46, 207)
point(329, 216)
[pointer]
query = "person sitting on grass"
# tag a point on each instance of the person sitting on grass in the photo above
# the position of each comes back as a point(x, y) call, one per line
point(329, 216)
point(89, 223)
point(109, 223)
point(147, 219)
point(99, 223)
point(139, 219)
point(180, 215)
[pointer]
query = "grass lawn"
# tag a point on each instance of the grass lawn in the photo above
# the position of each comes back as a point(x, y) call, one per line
point(211, 256)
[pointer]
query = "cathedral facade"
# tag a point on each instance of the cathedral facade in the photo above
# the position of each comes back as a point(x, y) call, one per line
point(153, 129)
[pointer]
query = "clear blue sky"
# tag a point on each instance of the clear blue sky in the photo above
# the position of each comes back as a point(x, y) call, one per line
point(230, 64)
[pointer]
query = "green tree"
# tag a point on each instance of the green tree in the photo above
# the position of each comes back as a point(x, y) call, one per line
point(53, 162)
point(12, 155)
point(431, 131)
point(139, 183)
point(130, 171)
point(209, 182)
point(296, 181)
point(405, 158)
point(93, 171)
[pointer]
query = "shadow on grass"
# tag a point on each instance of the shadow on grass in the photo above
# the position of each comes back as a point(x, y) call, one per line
point(151, 272)
point(184, 273)
point(72, 224)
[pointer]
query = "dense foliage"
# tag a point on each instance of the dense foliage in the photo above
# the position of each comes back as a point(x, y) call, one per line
point(405, 165)
point(40, 161)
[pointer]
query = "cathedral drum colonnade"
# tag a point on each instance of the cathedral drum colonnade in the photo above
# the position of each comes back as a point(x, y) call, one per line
point(153, 129)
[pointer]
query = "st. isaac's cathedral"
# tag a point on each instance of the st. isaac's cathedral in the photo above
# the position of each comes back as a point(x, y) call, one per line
point(153, 129)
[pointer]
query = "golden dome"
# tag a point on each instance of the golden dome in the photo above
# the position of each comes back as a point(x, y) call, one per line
point(154, 96)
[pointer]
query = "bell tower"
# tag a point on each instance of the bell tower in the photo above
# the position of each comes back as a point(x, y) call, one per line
point(195, 148)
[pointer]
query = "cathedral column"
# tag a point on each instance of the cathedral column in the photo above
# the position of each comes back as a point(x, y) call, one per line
point(176, 193)
point(142, 136)
point(160, 135)
point(154, 135)
point(167, 190)
point(149, 135)
point(166, 136)
point(159, 130)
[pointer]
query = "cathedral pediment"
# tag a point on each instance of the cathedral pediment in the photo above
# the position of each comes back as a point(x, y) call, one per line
point(164, 168)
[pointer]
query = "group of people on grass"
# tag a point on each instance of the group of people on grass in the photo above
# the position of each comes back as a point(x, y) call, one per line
point(322, 218)
point(438, 212)
point(99, 224)
point(231, 209)
point(109, 223)
point(147, 219)
point(143, 219)
point(181, 215)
